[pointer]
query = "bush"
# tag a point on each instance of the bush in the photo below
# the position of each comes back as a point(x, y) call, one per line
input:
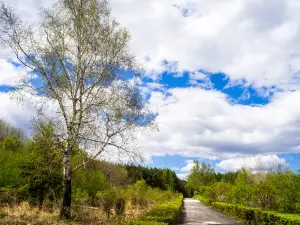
point(205, 201)
point(220, 189)
point(107, 199)
point(255, 216)
point(242, 194)
point(165, 213)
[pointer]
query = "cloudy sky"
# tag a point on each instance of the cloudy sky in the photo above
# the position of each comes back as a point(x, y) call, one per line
point(222, 76)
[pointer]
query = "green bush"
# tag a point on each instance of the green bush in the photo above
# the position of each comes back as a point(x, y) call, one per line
point(241, 194)
point(165, 213)
point(107, 199)
point(205, 201)
point(255, 216)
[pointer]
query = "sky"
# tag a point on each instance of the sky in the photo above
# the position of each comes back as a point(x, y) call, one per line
point(223, 78)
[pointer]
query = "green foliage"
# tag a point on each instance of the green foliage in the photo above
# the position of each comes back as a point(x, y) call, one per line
point(286, 188)
point(165, 213)
point(255, 216)
point(91, 182)
point(201, 175)
point(265, 196)
point(252, 194)
point(169, 180)
point(115, 174)
point(107, 199)
point(10, 172)
point(156, 178)
point(42, 168)
point(263, 190)
point(79, 196)
point(12, 143)
point(205, 201)
point(32, 171)
point(242, 194)
point(220, 189)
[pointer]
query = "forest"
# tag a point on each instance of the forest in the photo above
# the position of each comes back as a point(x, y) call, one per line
point(261, 197)
point(106, 193)
point(31, 179)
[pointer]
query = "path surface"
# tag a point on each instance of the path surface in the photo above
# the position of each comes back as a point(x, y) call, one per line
point(195, 213)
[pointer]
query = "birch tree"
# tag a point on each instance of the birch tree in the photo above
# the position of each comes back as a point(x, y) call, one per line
point(79, 56)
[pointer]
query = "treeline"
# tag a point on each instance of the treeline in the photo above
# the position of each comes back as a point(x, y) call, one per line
point(31, 171)
point(164, 179)
point(6, 130)
point(276, 190)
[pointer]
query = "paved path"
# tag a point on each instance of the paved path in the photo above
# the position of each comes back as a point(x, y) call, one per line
point(195, 213)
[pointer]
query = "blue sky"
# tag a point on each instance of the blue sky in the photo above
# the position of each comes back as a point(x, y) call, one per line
point(221, 76)
point(238, 93)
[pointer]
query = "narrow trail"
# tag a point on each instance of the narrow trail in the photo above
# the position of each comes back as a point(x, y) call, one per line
point(195, 213)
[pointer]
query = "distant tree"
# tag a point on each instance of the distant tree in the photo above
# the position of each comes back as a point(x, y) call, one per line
point(11, 157)
point(228, 177)
point(6, 130)
point(80, 56)
point(115, 174)
point(201, 175)
point(12, 144)
point(42, 168)
point(91, 180)
point(169, 180)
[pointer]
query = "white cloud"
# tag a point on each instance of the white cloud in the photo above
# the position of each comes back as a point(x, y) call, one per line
point(240, 38)
point(8, 73)
point(18, 115)
point(155, 85)
point(198, 123)
point(254, 163)
point(182, 176)
point(174, 168)
point(189, 166)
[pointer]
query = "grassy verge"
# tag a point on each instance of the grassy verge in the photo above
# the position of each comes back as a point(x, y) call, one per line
point(162, 214)
point(252, 216)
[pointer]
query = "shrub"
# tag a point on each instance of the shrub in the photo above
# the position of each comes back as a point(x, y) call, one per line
point(265, 196)
point(205, 201)
point(220, 189)
point(241, 194)
point(107, 199)
point(255, 216)
point(165, 213)
point(79, 196)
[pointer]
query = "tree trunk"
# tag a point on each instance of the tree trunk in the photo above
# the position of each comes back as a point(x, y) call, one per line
point(41, 199)
point(65, 210)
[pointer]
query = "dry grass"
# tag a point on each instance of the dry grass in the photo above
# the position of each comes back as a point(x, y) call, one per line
point(24, 214)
